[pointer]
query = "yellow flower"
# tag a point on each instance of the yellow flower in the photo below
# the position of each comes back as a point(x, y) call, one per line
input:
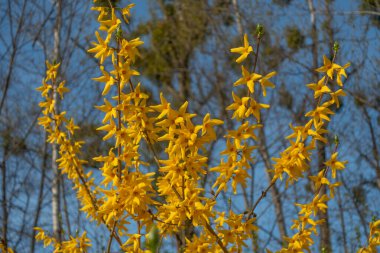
point(101, 49)
point(108, 25)
point(108, 109)
point(332, 188)
point(303, 221)
point(319, 204)
point(239, 106)
point(334, 164)
point(300, 132)
point(264, 82)
point(44, 89)
point(76, 244)
point(110, 128)
point(244, 131)
point(335, 96)
point(319, 180)
point(320, 113)
point(62, 89)
point(373, 239)
point(329, 68)
point(244, 51)
point(319, 88)
point(318, 133)
point(254, 109)
point(45, 121)
point(341, 72)
point(231, 150)
point(52, 70)
point(240, 177)
point(48, 104)
point(162, 108)
point(124, 72)
point(137, 95)
point(128, 49)
point(71, 127)
point(207, 126)
point(107, 79)
point(126, 12)
point(221, 219)
point(248, 78)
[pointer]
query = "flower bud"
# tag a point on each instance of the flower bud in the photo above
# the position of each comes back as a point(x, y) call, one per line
point(259, 30)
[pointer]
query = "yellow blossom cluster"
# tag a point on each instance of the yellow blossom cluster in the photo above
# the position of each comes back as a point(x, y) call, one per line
point(78, 244)
point(137, 196)
point(295, 160)
point(238, 152)
point(60, 129)
point(235, 229)
point(373, 238)
point(127, 192)
point(4, 248)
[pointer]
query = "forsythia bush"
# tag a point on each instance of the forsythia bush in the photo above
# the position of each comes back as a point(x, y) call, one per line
point(135, 202)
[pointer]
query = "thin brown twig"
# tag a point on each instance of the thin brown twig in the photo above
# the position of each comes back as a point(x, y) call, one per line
point(218, 240)
point(263, 195)
point(110, 239)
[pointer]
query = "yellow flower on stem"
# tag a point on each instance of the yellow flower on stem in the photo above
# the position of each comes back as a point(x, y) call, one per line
point(244, 50)
point(264, 82)
point(319, 180)
point(124, 71)
point(248, 78)
point(101, 49)
point(107, 79)
point(341, 72)
point(319, 204)
point(332, 188)
point(334, 164)
point(71, 127)
point(207, 126)
point(108, 109)
point(318, 133)
point(129, 50)
point(51, 72)
point(329, 68)
point(319, 88)
point(231, 150)
point(239, 106)
point(254, 108)
point(335, 97)
point(62, 89)
point(373, 238)
point(320, 113)
point(44, 89)
point(76, 244)
point(126, 12)
point(48, 105)
point(244, 131)
point(162, 108)
point(110, 128)
point(108, 25)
